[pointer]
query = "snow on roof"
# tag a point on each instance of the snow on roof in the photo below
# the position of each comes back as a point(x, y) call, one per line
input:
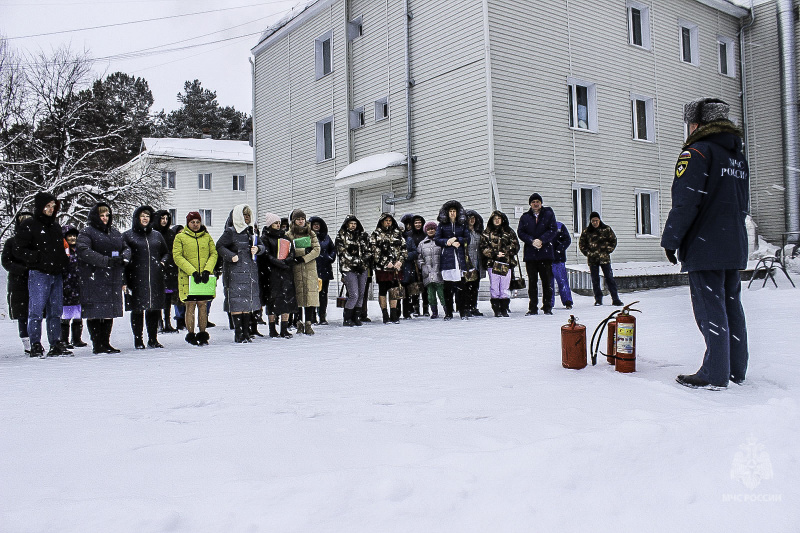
point(372, 163)
point(207, 149)
point(296, 11)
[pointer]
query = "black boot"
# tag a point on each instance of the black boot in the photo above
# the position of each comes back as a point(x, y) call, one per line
point(65, 334)
point(273, 331)
point(285, 330)
point(91, 325)
point(395, 315)
point(385, 313)
point(180, 323)
point(77, 330)
point(495, 307)
point(246, 327)
point(313, 318)
point(167, 322)
point(138, 343)
point(238, 337)
point(191, 338)
point(364, 315)
point(323, 316)
point(355, 318)
point(106, 328)
point(151, 319)
point(504, 303)
point(253, 329)
point(347, 321)
point(202, 338)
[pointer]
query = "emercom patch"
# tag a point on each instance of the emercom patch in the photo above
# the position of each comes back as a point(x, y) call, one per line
point(681, 167)
point(685, 155)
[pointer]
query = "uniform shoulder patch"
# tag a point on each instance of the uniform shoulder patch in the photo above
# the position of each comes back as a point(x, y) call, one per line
point(686, 154)
point(681, 167)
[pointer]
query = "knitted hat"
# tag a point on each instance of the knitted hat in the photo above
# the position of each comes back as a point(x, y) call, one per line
point(705, 110)
point(429, 225)
point(270, 219)
point(594, 214)
point(535, 196)
point(297, 213)
point(193, 215)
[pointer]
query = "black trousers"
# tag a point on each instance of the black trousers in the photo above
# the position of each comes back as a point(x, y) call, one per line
point(453, 290)
point(539, 270)
point(149, 318)
point(322, 310)
point(471, 293)
point(608, 274)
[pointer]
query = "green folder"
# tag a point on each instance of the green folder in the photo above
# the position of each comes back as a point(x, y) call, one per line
point(302, 242)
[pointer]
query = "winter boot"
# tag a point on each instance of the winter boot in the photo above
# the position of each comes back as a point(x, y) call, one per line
point(167, 323)
point(37, 350)
point(246, 327)
point(495, 307)
point(253, 329)
point(385, 313)
point(231, 323)
point(323, 317)
point(406, 303)
point(415, 307)
point(313, 317)
point(347, 321)
point(237, 329)
point(309, 331)
point(475, 311)
point(191, 338)
point(300, 327)
point(138, 343)
point(202, 338)
point(364, 315)
point(285, 330)
point(26, 345)
point(355, 318)
point(395, 315)
point(107, 325)
point(91, 325)
point(77, 330)
point(153, 343)
point(65, 334)
point(180, 323)
point(504, 303)
point(434, 311)
point(273, 331)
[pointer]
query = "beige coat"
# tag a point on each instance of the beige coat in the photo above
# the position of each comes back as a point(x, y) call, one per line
point(305, 274)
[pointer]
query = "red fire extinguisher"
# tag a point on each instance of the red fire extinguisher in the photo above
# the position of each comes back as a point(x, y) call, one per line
point(573, 344)
point(621, 342)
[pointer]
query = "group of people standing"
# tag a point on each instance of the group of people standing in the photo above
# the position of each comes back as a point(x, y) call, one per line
point(63, 276)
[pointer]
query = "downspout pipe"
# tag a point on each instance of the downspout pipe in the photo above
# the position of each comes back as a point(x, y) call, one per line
point(789, 117)
point(743, 81)
point(253, 131)
point(410, 159)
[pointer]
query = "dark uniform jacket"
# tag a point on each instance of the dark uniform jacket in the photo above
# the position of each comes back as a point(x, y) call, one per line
point(709, 201)
point(39, 241)
point(145, 273)
point(17, 276)
point(277, 278)
point(561, 243)
point(544, 228)
point(170, 269)
point(327, 250)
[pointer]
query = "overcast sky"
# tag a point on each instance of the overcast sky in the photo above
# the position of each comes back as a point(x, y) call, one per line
point(222, 67)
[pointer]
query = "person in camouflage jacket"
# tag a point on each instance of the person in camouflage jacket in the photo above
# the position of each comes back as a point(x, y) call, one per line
point(353, 249)
point(389, 252)
point(499, 244)
point(597, 242)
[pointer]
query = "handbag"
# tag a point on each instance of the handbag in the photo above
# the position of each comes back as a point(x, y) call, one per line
point(517, 284)
point(471, 273)
point(500, 268)
point(203, 289)
point(341, 300)
point(397, 292)
point(415, 287)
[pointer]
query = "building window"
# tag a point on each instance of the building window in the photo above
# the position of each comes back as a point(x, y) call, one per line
point(204, 182)
point(205, 214)
point(382, 109)
point(646, 212)
point(639, 25)
point(585, 199)
point(688, 39)
point(173, 215)
point(239, 181)
point(355, 28)
point(325, 146)
point(725, 49)
point(357, 119)
point(167, 179)
point(323, 54)
point(642, 121)
point(582, 105)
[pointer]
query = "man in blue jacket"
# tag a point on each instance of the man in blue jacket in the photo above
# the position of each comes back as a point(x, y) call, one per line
point(710, 197)
point(537, 229)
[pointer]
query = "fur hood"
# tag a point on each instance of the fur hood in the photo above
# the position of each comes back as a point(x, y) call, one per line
point(504, 224)
point(350, 218)
point(323, 227)
point(137, 226)
point(478, 220)
point(383, 217)
point(94, 217)
point(733, 132)
point(461, 217)
point(157, 221)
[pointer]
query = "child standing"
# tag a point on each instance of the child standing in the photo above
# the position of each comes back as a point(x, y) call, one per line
point(72, 293)
point(429, 263)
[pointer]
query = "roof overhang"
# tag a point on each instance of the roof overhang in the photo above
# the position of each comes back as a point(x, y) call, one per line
point(727, 7)
point(372, 170)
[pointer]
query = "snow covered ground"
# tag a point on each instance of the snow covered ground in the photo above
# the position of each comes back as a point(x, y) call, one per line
point(419, 427)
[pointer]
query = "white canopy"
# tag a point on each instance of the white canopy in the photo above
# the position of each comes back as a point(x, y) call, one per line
point(371, 170)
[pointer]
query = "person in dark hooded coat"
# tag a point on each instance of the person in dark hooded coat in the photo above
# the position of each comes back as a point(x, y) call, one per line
point(40, 244)
point(17, 286)
point(452, 235)
point(277, 278)
point(389, 252)
point(163, 225)
point(145, 276)
point(471, 288)
point(327, 255)
point(102, 256)
point(414, 234)
point(71, 310)
point(238, 248)
point(537, 229)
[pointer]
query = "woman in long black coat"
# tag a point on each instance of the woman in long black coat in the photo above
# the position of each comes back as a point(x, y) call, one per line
point(162, 223)
point(452, 235)
point(17, 286)
point(102, 255)
point(277, 277)
point(325, 259)
point(145, 276)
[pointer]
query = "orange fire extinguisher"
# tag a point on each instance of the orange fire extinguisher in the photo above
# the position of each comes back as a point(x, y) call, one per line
point(573, 344)
point(621, 342)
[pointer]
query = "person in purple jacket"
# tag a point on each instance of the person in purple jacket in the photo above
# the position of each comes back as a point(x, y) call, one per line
point(537, 229)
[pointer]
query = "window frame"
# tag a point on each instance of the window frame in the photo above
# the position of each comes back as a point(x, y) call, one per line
point(239, 182)
point(204, 178)
point(579, 211)
point(165, 179)
point(355, 28)
point(654, 213)
point(358, 118)
point(650, 131)
point(644, 12)
point(173, 215)
point(380, 105)
point(321, 154)
point(206, 217)
point(730, 63)
point(693, 42)
point(319, 55)
point(591, 104)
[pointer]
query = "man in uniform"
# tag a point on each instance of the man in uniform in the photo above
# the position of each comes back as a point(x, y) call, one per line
point(706, 225)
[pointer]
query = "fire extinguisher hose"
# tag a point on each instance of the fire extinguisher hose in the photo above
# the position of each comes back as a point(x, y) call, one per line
point(597, 336)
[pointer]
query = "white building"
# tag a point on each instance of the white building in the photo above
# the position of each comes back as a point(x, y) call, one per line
point(205, 175)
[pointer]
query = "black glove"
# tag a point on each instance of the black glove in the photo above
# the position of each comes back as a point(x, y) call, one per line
point(671, 256)
point(115, 261)
point(204, 276)
point(198, 278)
point(299, 260)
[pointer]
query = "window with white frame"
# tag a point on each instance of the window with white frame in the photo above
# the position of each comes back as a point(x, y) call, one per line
point(324, 135)
point(688, 41)
point(323, 54)
point(638, 24)
point(382, 109)
point(725, 51)
point(585, 199)
point(173, 215)
point(642, 118)
point(357, 119)
point(168, 179)
point(204, 182)
point(582, 104)
point(239, 182)
point(355, 28)
point(205, 215)
point(646, 212)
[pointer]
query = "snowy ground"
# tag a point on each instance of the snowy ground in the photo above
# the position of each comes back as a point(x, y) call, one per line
point(418, 427)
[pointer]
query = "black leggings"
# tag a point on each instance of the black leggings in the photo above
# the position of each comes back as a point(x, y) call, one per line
point(22, 326)
point(384, 286)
